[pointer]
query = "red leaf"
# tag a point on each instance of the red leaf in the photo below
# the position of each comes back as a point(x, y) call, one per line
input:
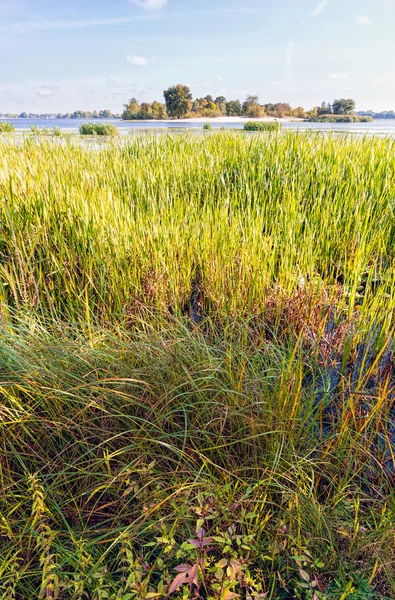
point(182, 568)
point(179, 580)
point(193, 578)
point(194, 543)
point(207, 541)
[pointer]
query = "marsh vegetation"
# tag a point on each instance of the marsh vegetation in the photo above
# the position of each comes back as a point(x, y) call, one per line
point(196, 367)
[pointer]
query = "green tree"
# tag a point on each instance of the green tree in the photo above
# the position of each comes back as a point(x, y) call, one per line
point(145, 112)
point(105, 114)
point(220, 101)
point(252, 108)
point(344, 106)
point(233, 108)
point(299, 112)
point(325, 109)
point(131, 110)
point(178, 100)
point(158, 110)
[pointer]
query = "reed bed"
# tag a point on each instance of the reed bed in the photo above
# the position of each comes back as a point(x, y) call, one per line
point(196, 367)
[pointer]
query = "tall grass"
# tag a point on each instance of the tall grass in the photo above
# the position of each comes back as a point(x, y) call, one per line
point(262, 126)
point(6, 127)
point(197, 332)
point(107, 129)
point(105, 231)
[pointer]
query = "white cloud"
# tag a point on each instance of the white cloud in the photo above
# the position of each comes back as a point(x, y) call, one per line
point(53, 25)
point(150, 4)
point(319, 9)
point(137, 61)
point(219, 78)
point(338, 76)
point(46, 91)
point(363, 20)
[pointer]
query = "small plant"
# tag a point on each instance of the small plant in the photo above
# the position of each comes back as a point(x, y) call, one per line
point(6, 127)
point(262, 126)
point(207, 126)
point(357, 588)
point(107, 129)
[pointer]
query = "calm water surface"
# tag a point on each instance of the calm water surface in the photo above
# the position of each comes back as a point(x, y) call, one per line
point(378, 126)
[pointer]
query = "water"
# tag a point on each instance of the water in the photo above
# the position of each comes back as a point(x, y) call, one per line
point(377, 127)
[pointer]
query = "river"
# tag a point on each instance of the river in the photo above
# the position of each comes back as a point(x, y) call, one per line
point(378, 126)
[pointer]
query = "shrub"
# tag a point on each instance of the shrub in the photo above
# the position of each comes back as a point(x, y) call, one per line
point(207, 126)
point(98, 129)
point(341, 119)
point(211, 113)
point(6, 127)
point(259, 126)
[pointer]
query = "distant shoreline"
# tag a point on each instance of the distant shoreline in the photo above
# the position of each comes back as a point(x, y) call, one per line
point(218, 120)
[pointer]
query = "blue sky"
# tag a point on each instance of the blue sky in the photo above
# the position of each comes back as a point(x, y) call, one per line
point(85, 54)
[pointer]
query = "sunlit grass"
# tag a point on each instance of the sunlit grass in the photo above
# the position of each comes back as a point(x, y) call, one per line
point(197, 330)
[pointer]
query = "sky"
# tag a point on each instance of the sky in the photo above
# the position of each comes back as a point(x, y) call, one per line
point(58, 56)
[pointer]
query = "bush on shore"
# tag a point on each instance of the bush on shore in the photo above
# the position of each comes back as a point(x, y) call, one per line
point(262, 126)
point(107, 129)
point(340, 119)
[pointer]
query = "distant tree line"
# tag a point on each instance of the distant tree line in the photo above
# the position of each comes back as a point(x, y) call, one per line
point(78, 114)
point(179, 103)
point(385, 114)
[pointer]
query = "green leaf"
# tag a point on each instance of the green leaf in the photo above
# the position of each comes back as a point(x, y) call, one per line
point(199, 524)
point(222, 563)
point(304, 575)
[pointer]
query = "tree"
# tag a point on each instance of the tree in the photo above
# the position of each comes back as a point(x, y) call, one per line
point(299, 113)
point(313, 112)
point(178, 100)
point(158, 110)
point(105, 114)
point(220, 101)
point(325, 109)
point(344, 106)
point(252, 108)
point(233, 108)
point(145, 112)
point(81, 114)
point(131, 110)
